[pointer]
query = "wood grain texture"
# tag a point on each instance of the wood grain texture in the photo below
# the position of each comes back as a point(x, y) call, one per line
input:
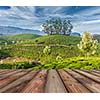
point(96, 71)
point(87, 82)
point(37, 83)
point(49, 81)
point(91, 76)
point(54, 83)
point(18, 79)
point(71, 84)
point(5, 71)
point(92, 72)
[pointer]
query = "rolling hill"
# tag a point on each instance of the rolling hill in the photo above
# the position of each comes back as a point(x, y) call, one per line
point(17, 37)
point(27, 54)
point(31, 49)
point(55, 39)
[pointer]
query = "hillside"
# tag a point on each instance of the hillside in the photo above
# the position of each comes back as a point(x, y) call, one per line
point(17, 37)
point(55, 39)
point(21, 37)
point(34, 53)
point(28, 49)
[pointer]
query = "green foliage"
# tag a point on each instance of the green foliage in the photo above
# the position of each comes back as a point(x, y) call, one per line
point(69, 63)
point(87, 46)
point(36, 52)
point(3, 54)
point(3, 40)
point(59, 58)
point(56, 39)
point(47, 50)
point(63, 56)
point(11, 39)
point(19, 65)
point(74, 63)
point(22, 37)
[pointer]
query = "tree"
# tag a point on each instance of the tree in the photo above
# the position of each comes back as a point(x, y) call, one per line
point(64, 27)
point(46, 29)
point(87, 46)
point(67, 27)
point(70, 27)
point(57, 26)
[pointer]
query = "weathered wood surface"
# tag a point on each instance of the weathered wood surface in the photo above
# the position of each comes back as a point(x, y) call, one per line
point(49, 81)
point(54, 83)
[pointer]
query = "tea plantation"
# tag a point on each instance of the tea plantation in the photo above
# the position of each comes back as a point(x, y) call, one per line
point(63, 46)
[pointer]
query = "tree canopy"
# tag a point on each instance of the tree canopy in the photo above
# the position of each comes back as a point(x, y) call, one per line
point(57, 26)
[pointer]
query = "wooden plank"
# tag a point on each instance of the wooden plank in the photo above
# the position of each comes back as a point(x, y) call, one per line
point(52, 81)
point(54, 84)
point(36, 85)
point(91, 76)
point(97, 71)
point(10, 73)
point(92, 72)
point(16, 89)
point(2, 70)
point(9, 79)
point(14, 86)
point(72, 85)
point(87, 82)
point(5, 71)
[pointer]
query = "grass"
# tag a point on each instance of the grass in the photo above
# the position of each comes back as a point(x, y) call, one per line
point(74, 63)
point(69, 54)
point(19, 65)
point(69, 63)
point(22, 37)
point(36, 52)
point(17, 37)
point(55, 39)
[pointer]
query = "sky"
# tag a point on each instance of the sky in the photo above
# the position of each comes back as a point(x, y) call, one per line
point(83, 18)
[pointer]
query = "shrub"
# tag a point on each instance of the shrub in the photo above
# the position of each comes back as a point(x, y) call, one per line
point(74, 63)
point(87, 46)
point(19, 65)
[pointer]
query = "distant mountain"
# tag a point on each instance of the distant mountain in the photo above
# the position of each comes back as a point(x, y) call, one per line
point(96, 37)
point(75, 34)
point(1, 34)
point(6, 30)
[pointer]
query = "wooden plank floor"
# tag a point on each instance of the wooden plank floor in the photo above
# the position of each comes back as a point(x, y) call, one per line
point(49, 81)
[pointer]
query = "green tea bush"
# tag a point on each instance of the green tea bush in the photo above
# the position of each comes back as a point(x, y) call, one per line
point(19, 65)
point(36, 52)
point(75, 63)
point(69, 63)
point(54, 39)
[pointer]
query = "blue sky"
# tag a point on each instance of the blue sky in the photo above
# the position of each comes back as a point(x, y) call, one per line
point(83, 18)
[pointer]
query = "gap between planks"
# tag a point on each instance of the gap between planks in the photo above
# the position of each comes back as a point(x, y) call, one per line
point(50, 81)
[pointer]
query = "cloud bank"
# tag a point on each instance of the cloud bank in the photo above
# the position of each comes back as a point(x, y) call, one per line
point(83, 18)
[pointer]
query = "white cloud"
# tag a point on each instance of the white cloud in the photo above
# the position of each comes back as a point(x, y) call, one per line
point(91, 22)
point(82, 27)
point(25, 17)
